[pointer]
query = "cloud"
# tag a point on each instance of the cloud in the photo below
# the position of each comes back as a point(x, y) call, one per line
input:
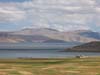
point(10, 13)
point(58, 14)
point(65, 14)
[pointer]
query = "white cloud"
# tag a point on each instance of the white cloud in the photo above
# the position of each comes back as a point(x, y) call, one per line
point(65, 14)
point(57, 14)
point(10, 13)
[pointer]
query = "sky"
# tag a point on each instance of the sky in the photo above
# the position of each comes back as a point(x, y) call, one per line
point(63, 15)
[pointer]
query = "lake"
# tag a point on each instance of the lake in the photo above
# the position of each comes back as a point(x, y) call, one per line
point(42, 53)
point(39, 50)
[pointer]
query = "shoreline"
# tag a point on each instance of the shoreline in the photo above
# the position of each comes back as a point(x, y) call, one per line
point(26, 58)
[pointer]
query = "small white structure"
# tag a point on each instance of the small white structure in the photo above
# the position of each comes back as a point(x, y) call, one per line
point(81, 56)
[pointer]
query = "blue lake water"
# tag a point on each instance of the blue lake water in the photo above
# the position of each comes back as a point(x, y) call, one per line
point(42, 53)
point(39, 50)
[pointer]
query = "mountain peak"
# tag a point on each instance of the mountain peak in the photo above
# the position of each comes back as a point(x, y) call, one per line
point(39, 29)
point(51, 29)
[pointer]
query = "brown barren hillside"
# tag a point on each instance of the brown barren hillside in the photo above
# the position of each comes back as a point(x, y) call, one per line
point(88, 47)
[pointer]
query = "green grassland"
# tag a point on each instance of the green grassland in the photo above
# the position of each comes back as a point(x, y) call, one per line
point(65, 66)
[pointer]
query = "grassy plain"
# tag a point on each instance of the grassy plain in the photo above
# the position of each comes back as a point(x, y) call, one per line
point(64, 66)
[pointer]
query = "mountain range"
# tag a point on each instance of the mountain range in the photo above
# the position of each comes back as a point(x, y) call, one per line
point(47, 35)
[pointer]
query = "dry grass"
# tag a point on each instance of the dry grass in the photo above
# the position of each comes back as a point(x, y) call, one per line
point(68, 66)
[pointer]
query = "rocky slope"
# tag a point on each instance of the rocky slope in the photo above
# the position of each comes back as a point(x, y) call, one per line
point(48, 35)
point(88, 47)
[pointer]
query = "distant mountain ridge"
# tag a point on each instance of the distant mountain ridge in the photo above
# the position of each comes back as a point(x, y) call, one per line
point(49, 36)
point(91, 34)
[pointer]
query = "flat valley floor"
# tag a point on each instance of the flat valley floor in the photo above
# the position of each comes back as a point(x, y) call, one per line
point(64, 66)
